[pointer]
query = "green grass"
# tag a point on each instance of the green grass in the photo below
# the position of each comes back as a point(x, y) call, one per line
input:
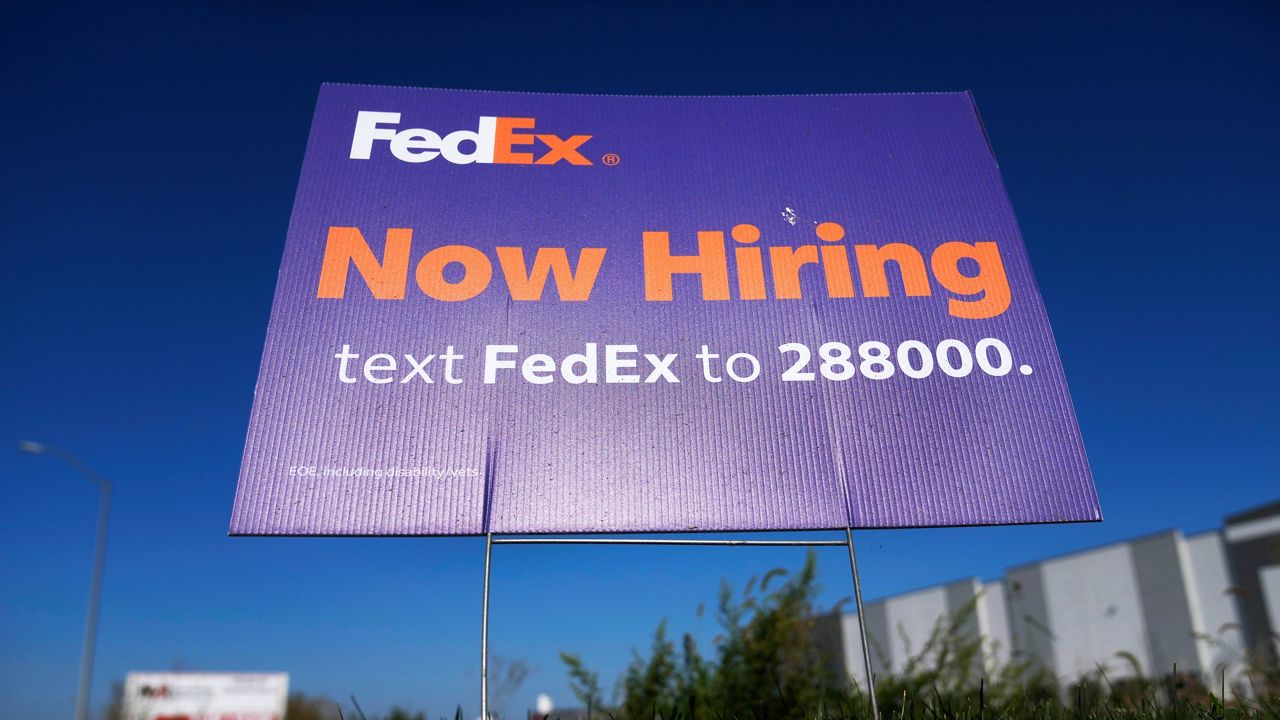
point(768, 663)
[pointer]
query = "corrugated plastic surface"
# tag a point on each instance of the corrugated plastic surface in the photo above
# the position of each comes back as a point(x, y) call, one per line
point(446, 459)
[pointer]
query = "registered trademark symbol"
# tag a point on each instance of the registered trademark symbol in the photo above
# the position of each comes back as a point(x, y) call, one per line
point(611, 159)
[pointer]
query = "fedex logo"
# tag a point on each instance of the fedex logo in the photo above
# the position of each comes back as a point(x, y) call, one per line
point(502, 140)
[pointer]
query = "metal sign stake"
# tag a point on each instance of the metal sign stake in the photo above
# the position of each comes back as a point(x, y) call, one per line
point(862, 625)
point(484, 632)
point(490, 541)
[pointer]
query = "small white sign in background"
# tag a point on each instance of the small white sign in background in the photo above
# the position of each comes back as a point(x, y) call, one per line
point(205, 696)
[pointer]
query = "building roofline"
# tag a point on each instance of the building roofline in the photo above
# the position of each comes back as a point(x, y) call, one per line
point(923, 588)
point(1256, 512)
point(1095, 548)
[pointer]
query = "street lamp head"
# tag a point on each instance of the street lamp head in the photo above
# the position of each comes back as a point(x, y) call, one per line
point(31, 447)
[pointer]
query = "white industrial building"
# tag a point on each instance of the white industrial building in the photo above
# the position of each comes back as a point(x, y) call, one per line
point(1196, 601)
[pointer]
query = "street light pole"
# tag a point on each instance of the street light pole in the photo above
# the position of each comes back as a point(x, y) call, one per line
point(99, 559)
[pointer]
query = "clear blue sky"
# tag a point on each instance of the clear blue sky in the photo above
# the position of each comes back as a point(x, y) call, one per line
point(150, 158)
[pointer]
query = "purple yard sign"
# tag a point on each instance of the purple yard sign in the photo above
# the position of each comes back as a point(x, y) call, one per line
point(525, 313)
